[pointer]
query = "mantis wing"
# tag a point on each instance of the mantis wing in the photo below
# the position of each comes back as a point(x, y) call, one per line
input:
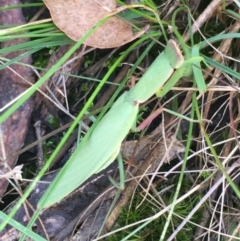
point(97, 150)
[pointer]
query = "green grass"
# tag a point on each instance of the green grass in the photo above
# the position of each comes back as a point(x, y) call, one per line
point(139, 211)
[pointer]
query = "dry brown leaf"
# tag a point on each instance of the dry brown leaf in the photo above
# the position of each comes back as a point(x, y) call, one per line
point(76, 17)
point(167, 149)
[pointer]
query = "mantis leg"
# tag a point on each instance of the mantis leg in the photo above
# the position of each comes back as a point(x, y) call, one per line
point(120, 166)
point(149, 119)
point(121, 185)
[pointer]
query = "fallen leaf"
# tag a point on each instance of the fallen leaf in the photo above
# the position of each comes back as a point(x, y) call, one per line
point(76, 17)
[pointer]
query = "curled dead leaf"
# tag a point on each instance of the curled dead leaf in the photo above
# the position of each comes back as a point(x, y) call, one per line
point(76, 17)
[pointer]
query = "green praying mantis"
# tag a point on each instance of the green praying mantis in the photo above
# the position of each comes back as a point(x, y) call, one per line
point(103, 145)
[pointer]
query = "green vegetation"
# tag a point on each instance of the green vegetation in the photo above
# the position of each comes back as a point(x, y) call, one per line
point(206, 123)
